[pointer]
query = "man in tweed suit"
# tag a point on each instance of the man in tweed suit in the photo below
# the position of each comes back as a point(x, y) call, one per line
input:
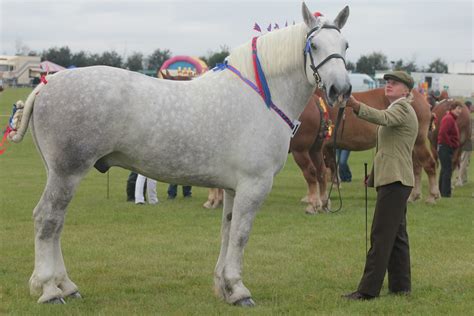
point(393, 179)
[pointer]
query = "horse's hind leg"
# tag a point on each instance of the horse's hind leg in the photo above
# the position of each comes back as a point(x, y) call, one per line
point(49, 278)
point(416, 191)
point(214, 198)
point(428, 162)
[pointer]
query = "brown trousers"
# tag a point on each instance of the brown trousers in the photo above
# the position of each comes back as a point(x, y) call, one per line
point(389, 248)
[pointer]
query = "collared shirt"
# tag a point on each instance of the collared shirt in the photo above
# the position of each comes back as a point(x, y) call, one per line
point(396, 101)
point(448, 131)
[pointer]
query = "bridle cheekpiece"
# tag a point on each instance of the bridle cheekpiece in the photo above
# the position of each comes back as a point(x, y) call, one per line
point(307, 51)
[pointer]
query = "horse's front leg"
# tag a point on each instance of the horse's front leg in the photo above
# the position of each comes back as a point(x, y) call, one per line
point(321, 175)
point(49, 279)
point(225, 229)
point(303, 159)
point(248, 198)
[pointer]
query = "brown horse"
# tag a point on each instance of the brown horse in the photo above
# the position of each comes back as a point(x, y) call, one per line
point(308, 144)
point(463, 122)
point(355, 135)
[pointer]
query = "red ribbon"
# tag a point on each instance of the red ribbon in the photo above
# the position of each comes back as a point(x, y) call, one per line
point(4, 139)
point(255, 68)
point(43, 79)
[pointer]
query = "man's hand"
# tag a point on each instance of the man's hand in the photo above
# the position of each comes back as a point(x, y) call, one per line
point(353, 103)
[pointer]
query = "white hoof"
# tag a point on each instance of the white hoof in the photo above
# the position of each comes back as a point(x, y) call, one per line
point(304, 199)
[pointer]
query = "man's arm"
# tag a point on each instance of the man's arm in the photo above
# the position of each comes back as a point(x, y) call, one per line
point(393, 116)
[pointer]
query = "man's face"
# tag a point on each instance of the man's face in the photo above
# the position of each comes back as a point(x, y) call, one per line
point(457, 110)
point(395, 89)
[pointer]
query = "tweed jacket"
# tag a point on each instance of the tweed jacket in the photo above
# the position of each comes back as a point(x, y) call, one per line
point(395, 140)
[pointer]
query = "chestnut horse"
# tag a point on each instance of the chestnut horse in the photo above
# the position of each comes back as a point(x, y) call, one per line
point(307, 145)
point(463, 122)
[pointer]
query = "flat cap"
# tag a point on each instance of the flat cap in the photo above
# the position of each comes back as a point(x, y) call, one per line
point(400, 76)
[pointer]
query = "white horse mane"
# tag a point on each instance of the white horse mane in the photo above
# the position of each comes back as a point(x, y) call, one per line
point(282, 49)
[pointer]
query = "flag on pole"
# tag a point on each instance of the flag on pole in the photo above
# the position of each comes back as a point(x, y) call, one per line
point(257, 28)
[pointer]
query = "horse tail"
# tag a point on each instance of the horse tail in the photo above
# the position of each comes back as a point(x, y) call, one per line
point(17, 136)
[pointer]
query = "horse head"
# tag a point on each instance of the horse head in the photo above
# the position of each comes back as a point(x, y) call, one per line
point(325, 52)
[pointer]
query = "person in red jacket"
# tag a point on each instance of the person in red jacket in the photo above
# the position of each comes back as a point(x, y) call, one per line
point(448, 141)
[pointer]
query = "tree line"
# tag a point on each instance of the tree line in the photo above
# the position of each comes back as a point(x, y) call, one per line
point(368, 64)
point(137, 61)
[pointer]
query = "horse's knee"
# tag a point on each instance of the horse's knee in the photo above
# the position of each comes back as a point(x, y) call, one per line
point(48, 227)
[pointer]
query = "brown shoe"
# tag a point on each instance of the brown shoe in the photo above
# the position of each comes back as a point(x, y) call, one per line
point(358, 296)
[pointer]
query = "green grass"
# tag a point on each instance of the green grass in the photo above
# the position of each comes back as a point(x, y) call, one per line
point(159, 259)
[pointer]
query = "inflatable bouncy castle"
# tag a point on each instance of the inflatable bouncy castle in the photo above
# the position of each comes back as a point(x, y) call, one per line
point(183, 66)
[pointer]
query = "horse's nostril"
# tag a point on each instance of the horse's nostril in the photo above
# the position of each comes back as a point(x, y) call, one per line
point(333, 92)
point(348, 92)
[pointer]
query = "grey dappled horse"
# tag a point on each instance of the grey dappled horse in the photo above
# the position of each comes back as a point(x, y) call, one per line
point(104, 117)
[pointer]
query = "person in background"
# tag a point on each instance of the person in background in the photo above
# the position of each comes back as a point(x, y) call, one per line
point(131, 181)
point(173, 191)
point(466, 154)
point(344, 171)
point(448, 141)
point(393, 179)
point(150, 188)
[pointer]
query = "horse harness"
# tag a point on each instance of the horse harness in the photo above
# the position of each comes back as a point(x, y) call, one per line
point(307, 51)
point(261, 86)
point(326, 125)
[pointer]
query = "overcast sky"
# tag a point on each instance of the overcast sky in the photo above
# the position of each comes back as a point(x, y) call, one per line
point(412, 30)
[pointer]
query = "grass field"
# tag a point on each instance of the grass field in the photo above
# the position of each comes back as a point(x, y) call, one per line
point(159, 259)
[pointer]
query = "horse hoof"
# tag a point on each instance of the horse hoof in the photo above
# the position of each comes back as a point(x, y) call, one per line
point(310, 210)
point(75, 295)
point(56, 300)
point(304, 199)
point(245, 302)
point(207, 205)
point(431, 201)
point(327, 206)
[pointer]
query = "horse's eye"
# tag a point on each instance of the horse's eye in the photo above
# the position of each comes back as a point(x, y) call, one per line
point(313, 46)
point(347, 46)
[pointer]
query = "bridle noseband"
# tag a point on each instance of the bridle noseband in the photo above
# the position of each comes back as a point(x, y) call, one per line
point(307, 51)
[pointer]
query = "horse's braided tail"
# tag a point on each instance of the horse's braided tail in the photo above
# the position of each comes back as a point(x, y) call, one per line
point(28, 109)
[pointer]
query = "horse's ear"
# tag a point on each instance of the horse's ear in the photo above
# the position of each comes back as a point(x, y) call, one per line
point(341, 18)
point(308, 17)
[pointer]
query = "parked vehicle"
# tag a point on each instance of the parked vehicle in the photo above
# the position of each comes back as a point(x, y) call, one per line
point(361, 82)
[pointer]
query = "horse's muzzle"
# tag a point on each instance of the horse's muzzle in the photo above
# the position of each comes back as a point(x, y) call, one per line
point(335, 92)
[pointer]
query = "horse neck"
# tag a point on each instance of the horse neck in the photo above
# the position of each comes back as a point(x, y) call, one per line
point(291, 93)
point(281, 56)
